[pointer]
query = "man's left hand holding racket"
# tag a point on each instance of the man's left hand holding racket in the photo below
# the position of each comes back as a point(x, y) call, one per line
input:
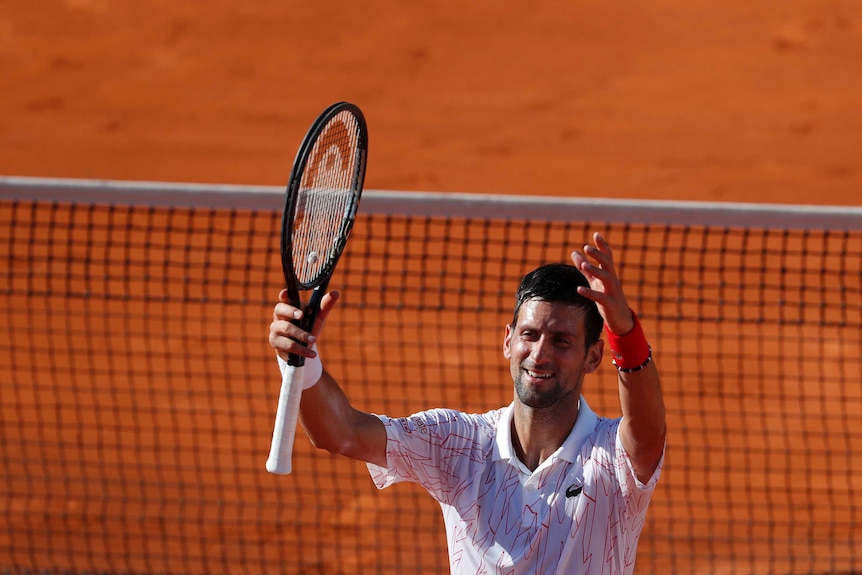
point(320, 207)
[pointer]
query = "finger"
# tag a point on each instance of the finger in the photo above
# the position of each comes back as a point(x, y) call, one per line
point(578, 258)
point(329, 301)
point(285, 348)
point(286, 338)
point(601, 255)
point(595, 274)
point(601, 243)
point(327, 304)
point(288, 329)
point(581, 262)
point(594, 295)
point(601, 246)
point(285, 311)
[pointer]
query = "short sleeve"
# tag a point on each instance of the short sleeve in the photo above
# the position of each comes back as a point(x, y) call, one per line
point(635, 493)
point(434, 448)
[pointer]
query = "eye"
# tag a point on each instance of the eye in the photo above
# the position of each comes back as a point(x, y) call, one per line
point(529, 335)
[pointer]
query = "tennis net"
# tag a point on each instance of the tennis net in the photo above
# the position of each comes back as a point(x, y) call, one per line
point(139, 390)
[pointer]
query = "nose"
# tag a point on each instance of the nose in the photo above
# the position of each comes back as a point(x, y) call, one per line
point(540, 351)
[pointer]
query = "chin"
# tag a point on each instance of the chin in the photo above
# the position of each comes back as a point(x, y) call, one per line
point(536, 399)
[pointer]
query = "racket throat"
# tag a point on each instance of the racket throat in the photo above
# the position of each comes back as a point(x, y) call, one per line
point(309, 314)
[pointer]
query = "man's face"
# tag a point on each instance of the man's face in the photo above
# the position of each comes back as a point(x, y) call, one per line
point(547, 353)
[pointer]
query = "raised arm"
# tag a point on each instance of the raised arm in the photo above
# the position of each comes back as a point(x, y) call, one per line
point(643, 427)
point(329, 419)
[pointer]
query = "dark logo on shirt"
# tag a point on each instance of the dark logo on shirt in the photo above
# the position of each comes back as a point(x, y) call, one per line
point(573, 490)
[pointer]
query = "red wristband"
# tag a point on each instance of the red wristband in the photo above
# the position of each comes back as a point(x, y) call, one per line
point(631, 351)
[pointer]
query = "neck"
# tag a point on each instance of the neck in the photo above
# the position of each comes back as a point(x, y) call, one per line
point(538, 433)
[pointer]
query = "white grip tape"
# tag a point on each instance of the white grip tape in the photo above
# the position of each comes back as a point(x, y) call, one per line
point(313, 369)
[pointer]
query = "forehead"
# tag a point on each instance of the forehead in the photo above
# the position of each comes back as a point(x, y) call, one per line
point(555, 316)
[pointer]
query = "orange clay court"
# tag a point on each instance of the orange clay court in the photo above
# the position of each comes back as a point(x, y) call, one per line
point(731, 101)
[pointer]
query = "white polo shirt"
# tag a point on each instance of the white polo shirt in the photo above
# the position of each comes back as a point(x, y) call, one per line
point(580, 512)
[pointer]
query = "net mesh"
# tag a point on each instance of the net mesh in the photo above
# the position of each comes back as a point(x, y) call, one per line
point(139, 391)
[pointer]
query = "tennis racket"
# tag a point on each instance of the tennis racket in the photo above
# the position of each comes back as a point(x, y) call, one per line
point(319, 209)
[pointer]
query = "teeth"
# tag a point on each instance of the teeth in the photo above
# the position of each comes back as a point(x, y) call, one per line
point(538, 375)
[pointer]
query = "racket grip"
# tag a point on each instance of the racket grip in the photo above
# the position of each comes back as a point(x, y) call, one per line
point(286, 417)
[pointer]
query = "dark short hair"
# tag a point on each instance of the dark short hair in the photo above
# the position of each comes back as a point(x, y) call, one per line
point(559, 283)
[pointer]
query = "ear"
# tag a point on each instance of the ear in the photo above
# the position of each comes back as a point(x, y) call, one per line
point(594, 356)
point(507, 342)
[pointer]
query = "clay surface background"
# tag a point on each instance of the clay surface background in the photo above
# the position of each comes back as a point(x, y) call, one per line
point(715, 100)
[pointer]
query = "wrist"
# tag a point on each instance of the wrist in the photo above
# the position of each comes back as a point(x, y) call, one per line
point(312, 372)
point(631, 351)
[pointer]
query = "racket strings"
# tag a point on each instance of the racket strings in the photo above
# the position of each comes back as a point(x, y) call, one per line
point(326, 198)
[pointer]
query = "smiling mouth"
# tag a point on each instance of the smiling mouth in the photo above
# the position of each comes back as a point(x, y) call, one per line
point(538, 375)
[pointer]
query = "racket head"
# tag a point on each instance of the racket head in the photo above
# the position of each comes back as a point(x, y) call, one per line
point(322, 197)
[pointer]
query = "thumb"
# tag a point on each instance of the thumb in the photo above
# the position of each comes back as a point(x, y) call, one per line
point(327, 304)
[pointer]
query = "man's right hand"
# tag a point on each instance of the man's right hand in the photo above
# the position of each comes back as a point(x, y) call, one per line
point(284, 336)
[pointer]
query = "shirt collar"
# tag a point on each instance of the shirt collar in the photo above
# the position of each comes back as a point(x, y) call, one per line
point(584, 425)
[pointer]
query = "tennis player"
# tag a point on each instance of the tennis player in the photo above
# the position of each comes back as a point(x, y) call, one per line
point(543, 485)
